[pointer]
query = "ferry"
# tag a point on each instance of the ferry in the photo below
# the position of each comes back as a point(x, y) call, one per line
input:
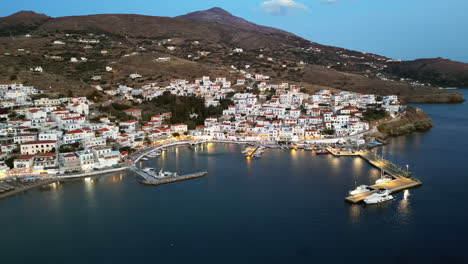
point(360, 189)
point(322, 152)
point(379, 197)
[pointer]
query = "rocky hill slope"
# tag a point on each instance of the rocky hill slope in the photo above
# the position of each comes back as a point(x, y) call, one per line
point(201, 43)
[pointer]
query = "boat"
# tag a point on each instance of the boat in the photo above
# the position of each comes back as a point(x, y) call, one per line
point(153, 154)
point(308, 148)
point(379, 197)
point(164, 174)
point(143, 158)
point(246, 150)
point(149, 170)
point(383, 178)
point(322, 152)
point(360, 189)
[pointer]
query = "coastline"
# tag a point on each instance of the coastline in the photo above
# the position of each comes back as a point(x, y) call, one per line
point(60, 178)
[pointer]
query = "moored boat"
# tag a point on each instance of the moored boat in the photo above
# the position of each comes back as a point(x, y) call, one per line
point(360, 189)
point(379, 197)
point(322, 152)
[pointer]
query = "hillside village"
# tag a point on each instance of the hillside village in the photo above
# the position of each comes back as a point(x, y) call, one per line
point(62, 135)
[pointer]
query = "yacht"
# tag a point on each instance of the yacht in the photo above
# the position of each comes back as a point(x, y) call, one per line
point(379, 197)
point(383, 178)
point(360, 189)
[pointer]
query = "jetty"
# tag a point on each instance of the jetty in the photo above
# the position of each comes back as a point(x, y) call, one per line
point(151, 180)
point(251, 151)
point(171, 179)
point(400, 177)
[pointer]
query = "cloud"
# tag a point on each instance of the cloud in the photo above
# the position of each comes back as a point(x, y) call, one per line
point(281, 7)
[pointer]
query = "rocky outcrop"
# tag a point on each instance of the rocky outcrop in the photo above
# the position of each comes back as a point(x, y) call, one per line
point(415, 120)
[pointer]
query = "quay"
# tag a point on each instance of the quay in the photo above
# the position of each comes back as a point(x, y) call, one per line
point(155, 181)
point(401, 178)
point(251, 151)
point(150, 180)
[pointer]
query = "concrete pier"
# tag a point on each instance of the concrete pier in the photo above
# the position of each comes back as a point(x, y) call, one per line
point(401, 177)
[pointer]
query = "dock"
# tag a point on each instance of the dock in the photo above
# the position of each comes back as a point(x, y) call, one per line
point(155, 181)
point(401, 177)
point(251, 151)
point(150, 180)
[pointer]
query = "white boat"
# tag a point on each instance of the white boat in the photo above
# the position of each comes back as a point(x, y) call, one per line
point(144, 158)
point(383, 179)
point(360, 189)
point(164, 174)
point(246, 149)
point(149, 170)
point(153, 154)
point(379, 197)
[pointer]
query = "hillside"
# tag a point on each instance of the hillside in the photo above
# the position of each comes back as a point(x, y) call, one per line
point(201, 43)
point(439, 71)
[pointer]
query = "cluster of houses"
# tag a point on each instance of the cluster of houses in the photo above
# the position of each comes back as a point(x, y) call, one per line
point(54, 136)
point(292, 116)
point(286, 115)
point(51, 136)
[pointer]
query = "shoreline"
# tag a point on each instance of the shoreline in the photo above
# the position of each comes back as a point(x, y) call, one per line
point(61, 178)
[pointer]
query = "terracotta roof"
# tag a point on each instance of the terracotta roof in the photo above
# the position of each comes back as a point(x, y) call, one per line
point(25, 157)
point(39, 142)
point(46, 155)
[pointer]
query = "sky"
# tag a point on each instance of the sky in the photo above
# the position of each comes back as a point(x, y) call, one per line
point(400, 29)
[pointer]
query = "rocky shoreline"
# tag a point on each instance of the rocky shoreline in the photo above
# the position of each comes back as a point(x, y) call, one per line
point(415, 120)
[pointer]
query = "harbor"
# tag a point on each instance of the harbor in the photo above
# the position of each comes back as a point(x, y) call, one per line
point(400, 178)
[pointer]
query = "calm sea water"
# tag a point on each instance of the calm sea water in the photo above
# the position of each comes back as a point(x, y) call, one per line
point(287, 207)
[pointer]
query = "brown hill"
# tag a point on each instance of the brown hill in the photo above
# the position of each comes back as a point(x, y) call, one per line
point(220, 16)
point(439, 71)
point(291, 58)
point(21, 23)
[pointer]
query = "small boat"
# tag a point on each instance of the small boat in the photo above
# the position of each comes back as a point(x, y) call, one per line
point(383, 178)
point(246, 150)
point(322, 152)
point(379, 197)
point(150, 171)
point(144, 158)
point(360, 189)
point(164, 174)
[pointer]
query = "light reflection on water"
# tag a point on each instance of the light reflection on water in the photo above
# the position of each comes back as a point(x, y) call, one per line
point(355, 213)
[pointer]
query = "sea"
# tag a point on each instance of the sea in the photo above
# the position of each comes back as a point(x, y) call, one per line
point(286, 207)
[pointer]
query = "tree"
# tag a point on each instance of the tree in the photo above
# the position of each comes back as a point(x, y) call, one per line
point(176, 134)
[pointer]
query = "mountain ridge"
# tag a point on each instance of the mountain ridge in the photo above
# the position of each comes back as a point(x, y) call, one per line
point(268, 50)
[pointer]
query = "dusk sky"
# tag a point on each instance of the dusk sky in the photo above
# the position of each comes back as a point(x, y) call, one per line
point(403, 29)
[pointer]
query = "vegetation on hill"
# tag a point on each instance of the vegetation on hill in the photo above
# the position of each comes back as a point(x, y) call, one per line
point(185, 109)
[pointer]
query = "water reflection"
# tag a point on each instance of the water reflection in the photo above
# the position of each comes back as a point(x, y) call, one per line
point(90, 192)
point(354, 213)
point(404, 208)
